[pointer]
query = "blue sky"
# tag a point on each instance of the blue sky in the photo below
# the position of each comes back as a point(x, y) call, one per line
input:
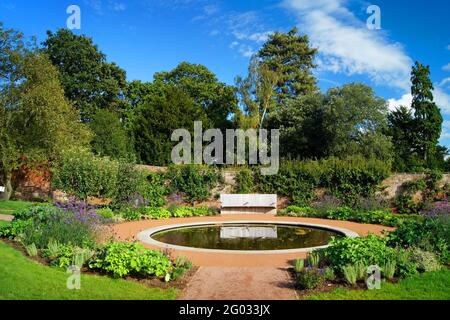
point(147, 36)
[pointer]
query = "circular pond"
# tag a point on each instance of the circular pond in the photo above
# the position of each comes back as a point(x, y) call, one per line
point(245, 236)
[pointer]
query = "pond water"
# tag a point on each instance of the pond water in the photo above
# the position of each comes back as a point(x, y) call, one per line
point(247, 236)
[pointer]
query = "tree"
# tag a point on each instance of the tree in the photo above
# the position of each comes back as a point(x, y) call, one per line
point(36, 121)
point(291, 57)
point(217, 99)
point(401, 127)
point(428, 117)
point(302, 129)
point(89, 81)
point(355, 121)
point(157, 116)
point(256, 94)
point(110, 137)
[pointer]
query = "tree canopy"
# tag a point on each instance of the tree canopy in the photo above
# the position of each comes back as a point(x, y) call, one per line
point(88, 80)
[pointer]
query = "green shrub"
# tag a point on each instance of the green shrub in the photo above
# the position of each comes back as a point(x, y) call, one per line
point(405, 267)
point(299, 265)
point(341, 213)
point(389, 269)
point(245, 181)
point(106, 213)
point(156, 213)
point(121, 259)
point(329, 274)
point(310, 278)
point(425, 261)
point(31, 249)
point(361, 271)
point(430, 234)
point(314, 259)
point(37, 213)
point(15, 229)
point(131, 214)
point(155, 190)
point(181, 265)
point(195, 182)
point(64, 227)
point(81, 173)
point(299, 211)
point(52, 250)
point(350, 274)
point(183, 212)
point(370, 250)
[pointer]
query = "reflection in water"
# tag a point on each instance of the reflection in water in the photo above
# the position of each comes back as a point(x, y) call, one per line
point(247, 237)
point(248, 232)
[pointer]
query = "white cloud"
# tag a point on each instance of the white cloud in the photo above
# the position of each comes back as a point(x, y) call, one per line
point(446, 67)
point(404, 101)
point(347, 46)
point(445, 83)
point(117, 6)
point(448, 47)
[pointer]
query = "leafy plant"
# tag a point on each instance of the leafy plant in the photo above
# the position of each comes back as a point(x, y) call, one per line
point(360, 269)
point(314, 259)
point(31, 249)
point(370, 250)
point(425, 261)
point(106, 213)
point(405, 267)
point(156, 213)
point(121, 259)
point(350, 274)
point(245, 181)
point(329, 274)
point(310, 278)
point(299, 265)
point(341, 213)
point(389, 269)
point(195, 182)
point(131, 214)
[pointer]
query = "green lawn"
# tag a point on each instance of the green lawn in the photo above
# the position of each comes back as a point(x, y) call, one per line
point(8, 207)
point(427, 286)
point(22, 278)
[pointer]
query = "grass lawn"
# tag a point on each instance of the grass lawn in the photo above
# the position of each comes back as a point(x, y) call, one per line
point(427, 286)
point(8, 207)
point(23, 279)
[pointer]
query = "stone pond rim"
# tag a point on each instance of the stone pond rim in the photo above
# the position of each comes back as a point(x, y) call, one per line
point(146, 235)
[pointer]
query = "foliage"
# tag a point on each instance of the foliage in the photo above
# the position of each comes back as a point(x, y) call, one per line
point(216, 98)
point(314, 259)
point(131, 214)
point(155, 190)
point(290, 55)
point(81, 173)
point(383, 217)
point(389, 268)
point(370, 250)
point(299, 265)
point(329, 274)
point(427, 114)
point(31, 97)
point(195, 182)
point(110, 137)
point(157, 116)
point(425, 261)
point(310, 278)
point(89, 81)
point(121, 259)
point(405, 266)
point(31, 250)
point(245, 183)
point(181, 265)
point(106, 213)
point(156, 213)
point(350, 274)
point(431, 234)
point(42, 224)
point(24, 279)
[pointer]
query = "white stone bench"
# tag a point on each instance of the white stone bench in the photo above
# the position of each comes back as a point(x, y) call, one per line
point(248, 204)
